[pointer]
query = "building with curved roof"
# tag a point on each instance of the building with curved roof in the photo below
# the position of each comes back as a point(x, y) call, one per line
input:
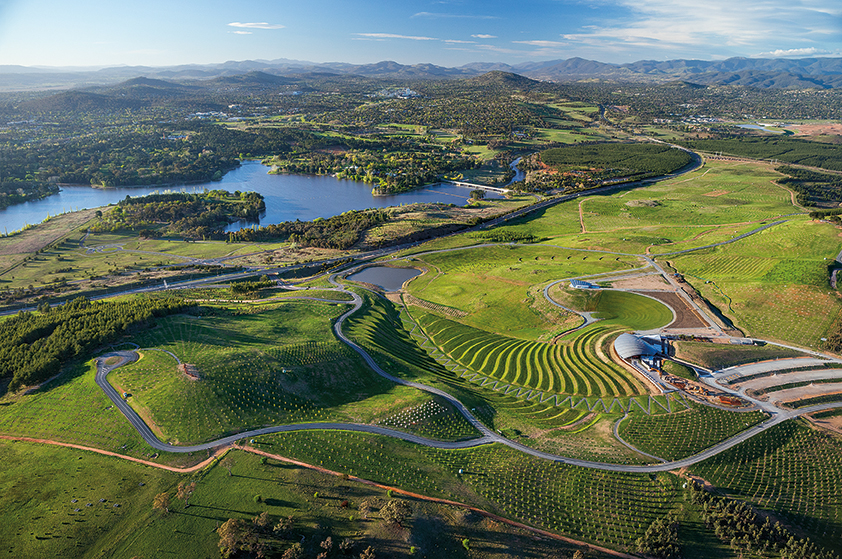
point(629, 346)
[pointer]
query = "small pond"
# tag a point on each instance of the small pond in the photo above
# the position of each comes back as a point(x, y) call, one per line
point(390, 279)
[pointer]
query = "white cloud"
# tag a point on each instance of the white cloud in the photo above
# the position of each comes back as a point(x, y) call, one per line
point(242, 32)
point(258, 25)
point(395, 36)
point(456, 41)
point(545, 44)
point(673, 27)
point(484, 36)
point(810, 51)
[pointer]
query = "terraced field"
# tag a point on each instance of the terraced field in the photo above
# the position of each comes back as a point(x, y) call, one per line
point(573, 368)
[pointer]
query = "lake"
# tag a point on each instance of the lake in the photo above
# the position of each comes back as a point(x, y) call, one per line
point(390, 279)
point(288, 197)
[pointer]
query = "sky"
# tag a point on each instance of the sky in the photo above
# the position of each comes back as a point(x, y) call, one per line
point(82, 33)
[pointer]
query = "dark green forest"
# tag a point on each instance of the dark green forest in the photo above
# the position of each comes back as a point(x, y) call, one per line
point(35, 346)
point(784, 150)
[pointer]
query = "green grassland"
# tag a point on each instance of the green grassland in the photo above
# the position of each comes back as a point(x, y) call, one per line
point(491, 284)
point(717, 194)
point(61, 502)
point(777, 281)
point(71, 409)
point(791, 471)
point(115, 516)
point(249, 379)
point(714, 194)
point(684, 433)
point(591, 505)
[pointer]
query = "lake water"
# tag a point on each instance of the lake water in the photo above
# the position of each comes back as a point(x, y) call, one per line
point(758, 127)
point(390, 279)
point(288, 197)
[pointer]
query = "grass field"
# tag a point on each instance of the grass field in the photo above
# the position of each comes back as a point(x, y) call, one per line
point(777, 281)
point(79, 504)
point(684, 433)
point(72, 409)
point(65, 503)
point(585, 504)
point(491, 284)
point(674, 210)
point(790, 470)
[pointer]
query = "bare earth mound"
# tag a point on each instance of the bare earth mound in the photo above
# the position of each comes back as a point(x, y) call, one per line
point(190, 371)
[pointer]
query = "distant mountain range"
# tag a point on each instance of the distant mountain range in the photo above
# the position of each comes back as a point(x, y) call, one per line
point(818, 73)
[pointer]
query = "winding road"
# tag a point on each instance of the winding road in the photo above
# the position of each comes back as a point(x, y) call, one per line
point(488, 436)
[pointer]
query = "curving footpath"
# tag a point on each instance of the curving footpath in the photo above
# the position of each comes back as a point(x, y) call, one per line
point(488, 436)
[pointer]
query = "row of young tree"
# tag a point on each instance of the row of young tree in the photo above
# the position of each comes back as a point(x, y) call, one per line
point(35, 345)
point(734, 522)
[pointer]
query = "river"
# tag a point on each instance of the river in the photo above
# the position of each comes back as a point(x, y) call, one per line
point(288, 197)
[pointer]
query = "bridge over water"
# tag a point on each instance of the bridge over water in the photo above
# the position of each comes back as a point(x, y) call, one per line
point(477, 186)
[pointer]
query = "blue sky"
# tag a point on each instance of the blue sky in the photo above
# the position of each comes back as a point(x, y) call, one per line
point(444, 32)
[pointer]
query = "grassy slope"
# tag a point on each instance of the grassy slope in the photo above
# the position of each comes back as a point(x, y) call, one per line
point(40, 518)
point(778, 281)
point(249, 379)
point(491, 284)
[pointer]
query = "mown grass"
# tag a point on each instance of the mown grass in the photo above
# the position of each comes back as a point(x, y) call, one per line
point(684, 433)
point(71, 409)
point(777, 281)
point(492, 284)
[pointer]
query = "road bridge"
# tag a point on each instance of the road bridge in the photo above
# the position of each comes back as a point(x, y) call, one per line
point(478, 186)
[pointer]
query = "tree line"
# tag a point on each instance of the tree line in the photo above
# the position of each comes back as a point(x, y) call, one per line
point(35, 345)
point(192, 215)
point(338, 232)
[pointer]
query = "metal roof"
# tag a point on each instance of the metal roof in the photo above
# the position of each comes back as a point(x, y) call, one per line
point(628, 346)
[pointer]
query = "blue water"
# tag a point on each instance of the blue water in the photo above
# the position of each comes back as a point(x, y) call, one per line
point(758, 127)
point(390, 279)
point(288, 197)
